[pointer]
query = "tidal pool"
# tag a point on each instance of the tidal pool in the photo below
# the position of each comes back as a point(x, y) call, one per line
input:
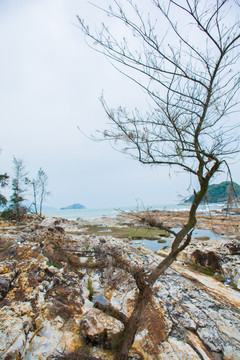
point(203, 232)
point(154, 245)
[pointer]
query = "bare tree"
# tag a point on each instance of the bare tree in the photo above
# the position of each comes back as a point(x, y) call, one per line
point(190, 75)
point(40, 192)
point(43, 183)
point(34, 184)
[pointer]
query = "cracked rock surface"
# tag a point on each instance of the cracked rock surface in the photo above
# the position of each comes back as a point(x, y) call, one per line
point(47, 299)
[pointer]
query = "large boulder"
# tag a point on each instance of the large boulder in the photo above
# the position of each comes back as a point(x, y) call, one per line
point(208, 259)
point(4, 286)
point(99, 328)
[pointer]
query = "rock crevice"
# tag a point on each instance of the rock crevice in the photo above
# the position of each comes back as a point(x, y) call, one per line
point(45, 306)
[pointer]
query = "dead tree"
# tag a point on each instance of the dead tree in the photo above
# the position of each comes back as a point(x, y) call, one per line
point(190, 75)
point(40, 192)
point(43, 192)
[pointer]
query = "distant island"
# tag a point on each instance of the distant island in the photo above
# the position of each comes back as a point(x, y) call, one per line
point(219, 193)
point(73, 207)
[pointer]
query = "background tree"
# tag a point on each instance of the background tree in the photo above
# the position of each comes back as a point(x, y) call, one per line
point(43, 184)
point(34, 185)
point(40, 192)
point(18, 186)
point(190, 75)
point(3, 182)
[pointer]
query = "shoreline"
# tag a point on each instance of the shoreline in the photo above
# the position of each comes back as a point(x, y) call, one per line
point(114, 211)
point(217, 222)
point(50, 280)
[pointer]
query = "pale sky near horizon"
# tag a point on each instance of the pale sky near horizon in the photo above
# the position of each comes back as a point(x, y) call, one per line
point(50, 83)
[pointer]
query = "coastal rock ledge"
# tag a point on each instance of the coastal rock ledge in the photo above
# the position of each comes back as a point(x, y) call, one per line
point(47, 299)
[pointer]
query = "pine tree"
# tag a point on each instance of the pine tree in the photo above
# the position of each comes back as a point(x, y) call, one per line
point(3, 182)
point(18, 187)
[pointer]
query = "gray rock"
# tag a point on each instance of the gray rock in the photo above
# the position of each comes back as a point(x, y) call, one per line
point(211, 337)
point(4, 286)
point(47, 307)
point(99, 328)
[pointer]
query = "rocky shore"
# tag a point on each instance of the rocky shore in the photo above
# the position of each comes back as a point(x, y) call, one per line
point(52, 277)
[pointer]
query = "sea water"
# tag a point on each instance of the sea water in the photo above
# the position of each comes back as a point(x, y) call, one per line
point(152, 245)
point(112, 212)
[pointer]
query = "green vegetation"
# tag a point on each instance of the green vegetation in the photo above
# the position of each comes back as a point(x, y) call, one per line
point(218, 193)
point(86, 246)
point(3, 182)
point(90, 289)
point(213, 273)
point(203, 270)
point(161, 241)
point(129, 232)
point(16, 208)
point(11, 213)
point(6, 246)
point(55, 265)
point(202, 238)
point(89, 259)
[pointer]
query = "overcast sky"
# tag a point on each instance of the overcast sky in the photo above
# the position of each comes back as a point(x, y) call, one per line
point(50, 83)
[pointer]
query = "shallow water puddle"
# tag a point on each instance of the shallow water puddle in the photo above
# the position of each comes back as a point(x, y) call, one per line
point(203, 233)
point(152, 245)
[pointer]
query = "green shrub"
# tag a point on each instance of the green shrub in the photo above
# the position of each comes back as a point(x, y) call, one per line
point(90, 289)
point(11, 213)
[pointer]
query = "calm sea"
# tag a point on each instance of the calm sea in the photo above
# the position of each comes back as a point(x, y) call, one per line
point(114, 211)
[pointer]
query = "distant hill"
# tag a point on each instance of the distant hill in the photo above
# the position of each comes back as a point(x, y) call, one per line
point(218, 193)
point(73, 207)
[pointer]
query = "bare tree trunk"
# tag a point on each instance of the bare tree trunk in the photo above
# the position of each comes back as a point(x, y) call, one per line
point(41, 202)
point(132, 325)
point(145, 287)
point(35, 197)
